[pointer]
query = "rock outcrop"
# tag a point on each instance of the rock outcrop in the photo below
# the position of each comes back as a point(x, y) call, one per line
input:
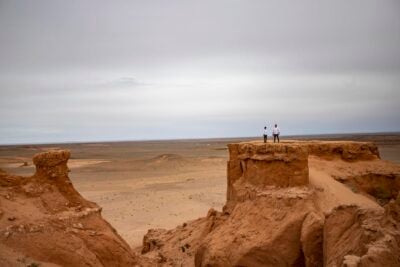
point(360, 237)
point(273, 215)
point(277, 228)
point(375, 178)
point(254, 167)
point(345, 150)
point(44, 220)
point(272, 219)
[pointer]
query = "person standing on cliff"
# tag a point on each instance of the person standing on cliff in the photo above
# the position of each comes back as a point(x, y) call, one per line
point(276, 133)
point(265, 134)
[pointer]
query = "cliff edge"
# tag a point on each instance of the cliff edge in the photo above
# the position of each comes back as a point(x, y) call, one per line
point(291, 204)
point(296, 203)
point(45, 221)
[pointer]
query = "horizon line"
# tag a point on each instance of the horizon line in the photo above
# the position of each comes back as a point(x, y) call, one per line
point(190, 138)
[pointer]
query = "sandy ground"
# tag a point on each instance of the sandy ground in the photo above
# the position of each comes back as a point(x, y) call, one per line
point(160, 184)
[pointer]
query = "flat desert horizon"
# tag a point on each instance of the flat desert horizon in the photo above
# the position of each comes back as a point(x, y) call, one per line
point(142, 185)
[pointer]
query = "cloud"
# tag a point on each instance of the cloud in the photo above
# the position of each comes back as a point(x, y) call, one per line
point(125, 81)
point(142, 70)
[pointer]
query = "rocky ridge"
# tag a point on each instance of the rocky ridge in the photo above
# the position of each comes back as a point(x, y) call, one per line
point(272, 215)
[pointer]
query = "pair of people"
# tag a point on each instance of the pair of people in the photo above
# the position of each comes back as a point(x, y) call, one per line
point(275, 133)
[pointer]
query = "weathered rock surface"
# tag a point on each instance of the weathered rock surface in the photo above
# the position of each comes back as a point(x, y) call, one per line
point(376, 178)
point(273, 217)
point(45, 220)
point(257, 166)
point(360, 237)
point(345, 150)
point(277, 228)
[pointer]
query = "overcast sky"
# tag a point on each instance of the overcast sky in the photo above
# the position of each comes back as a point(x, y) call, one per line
point(126, 70)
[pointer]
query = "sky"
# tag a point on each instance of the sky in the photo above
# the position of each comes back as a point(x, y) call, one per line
point(140, 70)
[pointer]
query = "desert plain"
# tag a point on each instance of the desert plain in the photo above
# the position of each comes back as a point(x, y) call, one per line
point(142, 185)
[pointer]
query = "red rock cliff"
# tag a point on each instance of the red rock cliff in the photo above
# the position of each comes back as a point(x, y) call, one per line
point(44, 220)
point(274, 215)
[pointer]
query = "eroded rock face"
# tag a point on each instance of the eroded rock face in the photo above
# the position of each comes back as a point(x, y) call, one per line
point(270, 218)
point(378, 179)
point(362, 237)
point(273, 217)
point(45, 220)
point(177, 247)
point(345, 150)
point(382, 187)
point(255, 166)
point(277, 228)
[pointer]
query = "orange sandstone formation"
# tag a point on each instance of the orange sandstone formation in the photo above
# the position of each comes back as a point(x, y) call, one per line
point(276, 216)
point(354, 236)
point(345, 150)
point(296, 203)
point(260, 166)
point(44, 220)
